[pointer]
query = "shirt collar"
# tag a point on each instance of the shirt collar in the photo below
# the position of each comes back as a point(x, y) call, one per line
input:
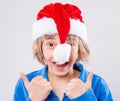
point(44, 72)
point(83, 72)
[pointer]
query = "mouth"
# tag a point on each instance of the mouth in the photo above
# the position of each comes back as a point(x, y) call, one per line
point(60, 67)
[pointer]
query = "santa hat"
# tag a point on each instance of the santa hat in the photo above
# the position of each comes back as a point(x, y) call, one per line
point(59, 18)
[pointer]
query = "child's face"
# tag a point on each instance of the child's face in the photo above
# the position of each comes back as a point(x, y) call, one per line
point(49, 45)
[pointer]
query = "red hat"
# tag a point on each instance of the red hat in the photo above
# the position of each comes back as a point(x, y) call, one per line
point(59, 18)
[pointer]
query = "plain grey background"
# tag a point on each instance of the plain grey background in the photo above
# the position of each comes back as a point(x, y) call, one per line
point(102, 18)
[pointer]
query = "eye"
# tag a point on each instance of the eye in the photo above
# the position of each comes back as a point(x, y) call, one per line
point(51, 44)
point(72, 44)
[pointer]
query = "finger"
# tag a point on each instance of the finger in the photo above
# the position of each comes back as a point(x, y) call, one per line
point(68, 87)
point(89, 79)
point(37, 78)
point(25, 80)
point(49, 85)
point(75, 80)
point(42, 81)
point(68, 94)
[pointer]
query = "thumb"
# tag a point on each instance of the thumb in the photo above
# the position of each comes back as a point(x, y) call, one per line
point(89, 79)
point(25, 80)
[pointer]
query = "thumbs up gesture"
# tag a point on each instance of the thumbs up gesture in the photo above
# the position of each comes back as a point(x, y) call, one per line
point(38, 89)
point(76, 87)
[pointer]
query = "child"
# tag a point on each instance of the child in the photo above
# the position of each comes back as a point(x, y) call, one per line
point(60, 43)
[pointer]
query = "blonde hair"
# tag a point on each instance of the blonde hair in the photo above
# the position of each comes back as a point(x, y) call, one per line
point(83, 50)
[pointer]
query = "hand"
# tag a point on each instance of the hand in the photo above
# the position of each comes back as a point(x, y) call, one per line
point(38, 89)
point(76, 87)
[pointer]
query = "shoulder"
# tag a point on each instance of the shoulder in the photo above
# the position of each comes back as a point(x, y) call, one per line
point(96, 79)
point(41, 72)
point(20, 88)
point(101, 88)
point(98, 84)
point(33, 74)
point(99, 81)
point(30, 76)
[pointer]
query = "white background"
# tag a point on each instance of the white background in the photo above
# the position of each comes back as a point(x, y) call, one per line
point(102, 18)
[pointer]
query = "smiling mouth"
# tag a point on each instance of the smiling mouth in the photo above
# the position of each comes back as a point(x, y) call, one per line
point(60, 66)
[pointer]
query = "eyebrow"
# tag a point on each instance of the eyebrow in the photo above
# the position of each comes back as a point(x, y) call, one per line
point(72, 38)
point(49, 36)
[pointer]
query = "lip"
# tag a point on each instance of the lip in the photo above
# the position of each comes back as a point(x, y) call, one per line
point(60, 67)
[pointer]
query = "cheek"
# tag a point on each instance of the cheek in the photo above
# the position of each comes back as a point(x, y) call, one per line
point(47, 55)
point(74, 54)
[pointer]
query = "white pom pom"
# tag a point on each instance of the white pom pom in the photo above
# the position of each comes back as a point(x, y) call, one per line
point(62, 53)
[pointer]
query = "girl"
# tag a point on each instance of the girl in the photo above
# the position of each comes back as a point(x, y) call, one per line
point(60, 43)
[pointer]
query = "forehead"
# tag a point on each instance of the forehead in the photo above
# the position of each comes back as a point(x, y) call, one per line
point(54, 36)
point(46, 36)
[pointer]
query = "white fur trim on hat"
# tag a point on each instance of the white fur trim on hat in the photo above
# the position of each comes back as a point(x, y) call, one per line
point(48, 26)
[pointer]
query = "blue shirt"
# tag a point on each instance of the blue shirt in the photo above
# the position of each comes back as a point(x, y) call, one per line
point(99, 90)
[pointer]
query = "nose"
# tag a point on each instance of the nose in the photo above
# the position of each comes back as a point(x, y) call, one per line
point(61, 53)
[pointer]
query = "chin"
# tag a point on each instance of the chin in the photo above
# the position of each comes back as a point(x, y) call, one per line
point(61, 74)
